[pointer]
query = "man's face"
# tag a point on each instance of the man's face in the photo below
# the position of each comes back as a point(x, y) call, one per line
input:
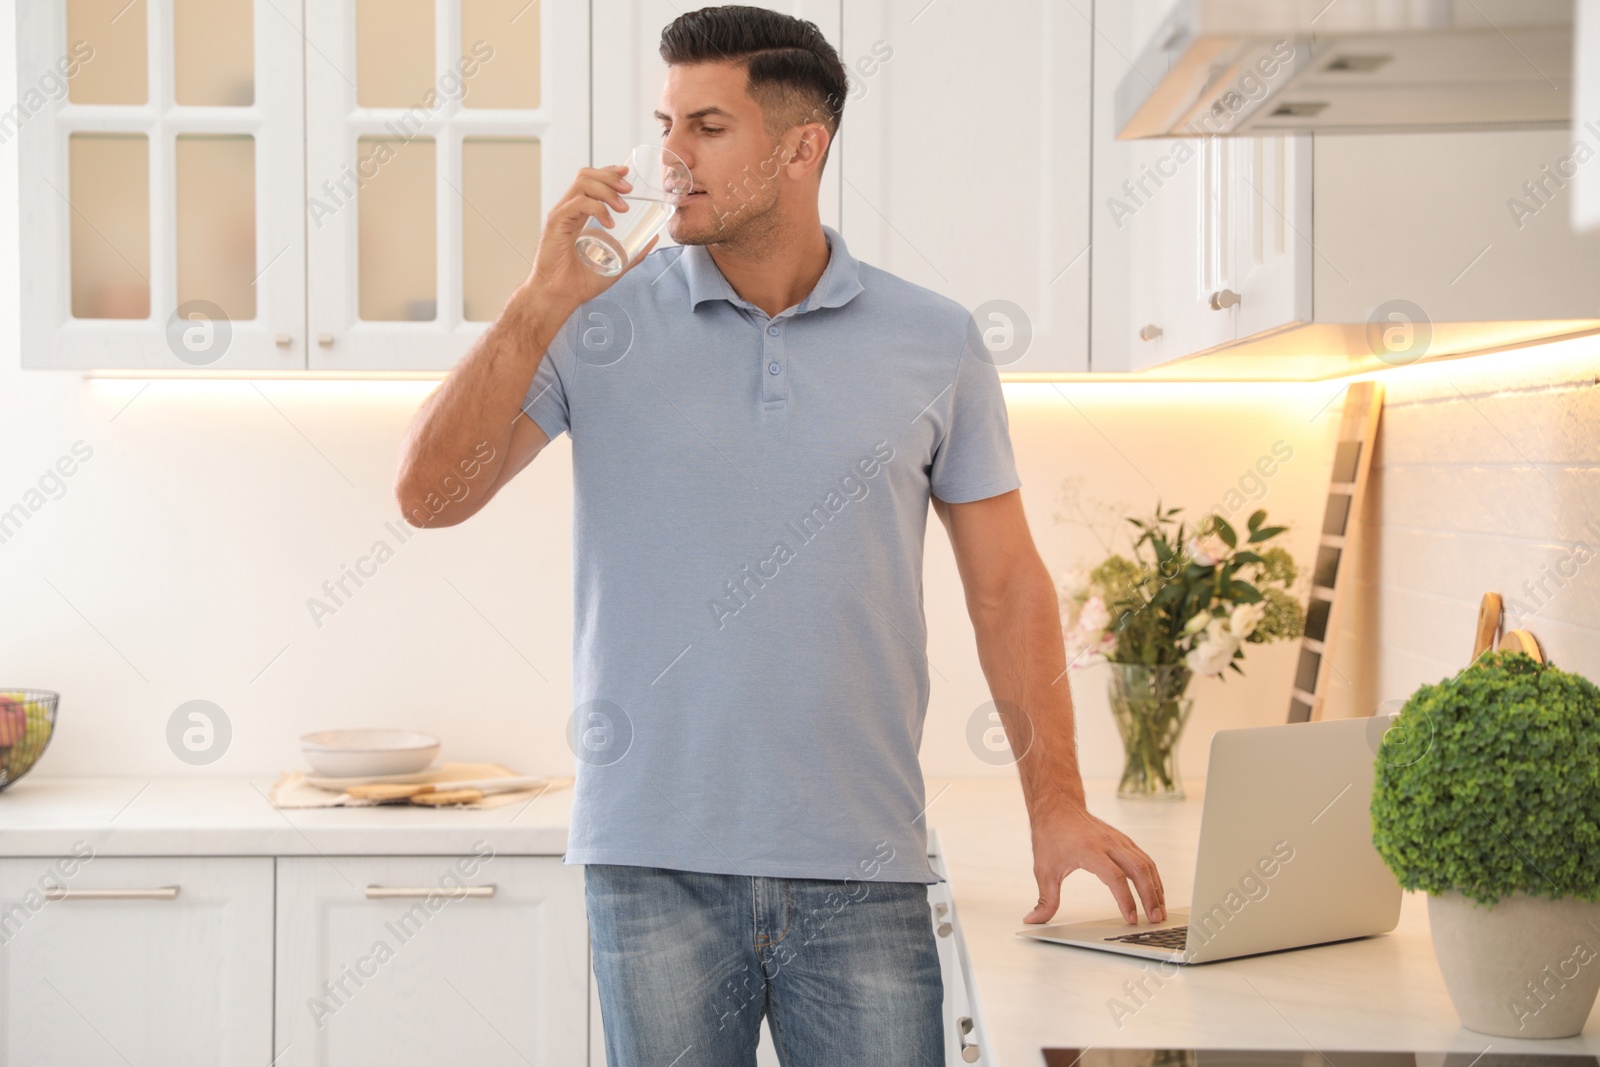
point(707, 117)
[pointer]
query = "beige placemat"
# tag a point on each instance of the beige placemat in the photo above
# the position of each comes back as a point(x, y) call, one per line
point(291, 790)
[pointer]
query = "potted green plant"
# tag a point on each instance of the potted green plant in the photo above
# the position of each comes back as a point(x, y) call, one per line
point(1487, 798)
point(1186, 603)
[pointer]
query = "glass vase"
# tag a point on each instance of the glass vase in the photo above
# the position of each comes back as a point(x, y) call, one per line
point(1151, 710)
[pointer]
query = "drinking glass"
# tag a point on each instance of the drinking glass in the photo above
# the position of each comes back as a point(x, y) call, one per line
point(660, 181)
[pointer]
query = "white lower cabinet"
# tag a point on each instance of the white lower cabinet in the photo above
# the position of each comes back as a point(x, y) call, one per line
point(431, 959)
point(135, 960)
point(962, 1039)
point(332, 961)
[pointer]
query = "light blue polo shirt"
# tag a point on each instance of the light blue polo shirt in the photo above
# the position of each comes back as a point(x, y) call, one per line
point(750, 671)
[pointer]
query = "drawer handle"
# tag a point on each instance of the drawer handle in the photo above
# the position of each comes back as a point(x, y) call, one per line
point(942, 927)
point(969, 1050)
point(1150, 332)
point(385, 892)
point(165, 892)
point(1223, 299)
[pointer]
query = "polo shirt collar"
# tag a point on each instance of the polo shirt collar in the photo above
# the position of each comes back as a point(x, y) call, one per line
point(840, 281)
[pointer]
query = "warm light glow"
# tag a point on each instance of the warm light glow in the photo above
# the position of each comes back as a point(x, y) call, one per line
point(268, 375)
point(1573, 359)
point(1154, 389)
point(1570, 359)
point(117, 392)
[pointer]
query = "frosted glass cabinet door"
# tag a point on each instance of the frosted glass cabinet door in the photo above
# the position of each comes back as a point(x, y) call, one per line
point(394, 960)
point(161, 170)
point(966, 164)
point(439, 134)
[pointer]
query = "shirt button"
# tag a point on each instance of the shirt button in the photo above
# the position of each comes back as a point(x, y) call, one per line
point(772, 330)
point(774, 368)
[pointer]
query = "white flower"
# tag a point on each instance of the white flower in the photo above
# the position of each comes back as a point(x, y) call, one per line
point(1208, 552)
point(1246, 617)
point(1075, 583)
point(1210, 656)
point(1094, 617)
point(1196, 624)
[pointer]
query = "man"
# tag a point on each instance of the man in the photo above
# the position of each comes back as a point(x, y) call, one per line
point(759, 423)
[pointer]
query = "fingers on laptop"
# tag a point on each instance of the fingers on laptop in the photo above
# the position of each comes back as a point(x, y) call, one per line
point(1125, 862)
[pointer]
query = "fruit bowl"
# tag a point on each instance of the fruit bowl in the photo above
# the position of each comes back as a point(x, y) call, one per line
point(27, 720)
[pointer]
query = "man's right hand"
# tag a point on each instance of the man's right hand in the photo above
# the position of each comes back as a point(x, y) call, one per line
point(558, 271)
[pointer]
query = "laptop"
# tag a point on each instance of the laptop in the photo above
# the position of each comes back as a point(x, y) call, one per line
point(1285, 854)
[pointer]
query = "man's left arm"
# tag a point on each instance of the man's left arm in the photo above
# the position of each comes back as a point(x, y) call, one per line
point(1016, 616)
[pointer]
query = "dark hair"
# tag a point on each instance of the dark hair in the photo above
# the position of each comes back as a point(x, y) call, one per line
point(794, 73)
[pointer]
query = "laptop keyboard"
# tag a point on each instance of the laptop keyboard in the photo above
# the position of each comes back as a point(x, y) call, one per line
point(1173, 937)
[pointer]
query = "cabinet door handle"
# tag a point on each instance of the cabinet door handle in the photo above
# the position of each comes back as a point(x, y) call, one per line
point(164, 892)
point(942, 927)
point(283, 340)
point(325, 340)
point(1150, 332)
point(969, 1049)
point(1223, 299)
point(385, 892)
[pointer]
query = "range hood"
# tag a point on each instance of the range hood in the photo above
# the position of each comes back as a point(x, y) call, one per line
point(1253, 67)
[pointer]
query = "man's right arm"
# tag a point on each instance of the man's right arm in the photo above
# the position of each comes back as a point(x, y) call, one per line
point(478, 405)
point(474, 420)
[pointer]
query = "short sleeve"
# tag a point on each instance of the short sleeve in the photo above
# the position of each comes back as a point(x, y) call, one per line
point(546, 400)
point(973, 460)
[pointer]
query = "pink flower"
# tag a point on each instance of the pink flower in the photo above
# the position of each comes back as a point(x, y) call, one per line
point(1094, 617)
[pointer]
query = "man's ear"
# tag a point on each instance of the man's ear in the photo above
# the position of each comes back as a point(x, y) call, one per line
point(806, 144)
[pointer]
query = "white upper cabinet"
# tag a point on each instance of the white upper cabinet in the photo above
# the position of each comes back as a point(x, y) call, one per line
point(966, 164)
point(1586, 116)
point(629, 73)
point(439, 134)
point(1414, 244)
point(1197, 242)
point(210, 184)
point(161, 178)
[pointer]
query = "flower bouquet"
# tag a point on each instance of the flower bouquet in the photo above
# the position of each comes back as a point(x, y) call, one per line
point(1185, 603)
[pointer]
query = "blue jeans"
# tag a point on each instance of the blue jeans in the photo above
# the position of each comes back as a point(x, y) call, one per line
point(687, 963)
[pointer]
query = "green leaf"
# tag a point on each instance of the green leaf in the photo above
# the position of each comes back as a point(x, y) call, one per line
point(1243, 593)
point(1225, 532)
point(1488, 783)
point(1266, 533)
point(1257, 518)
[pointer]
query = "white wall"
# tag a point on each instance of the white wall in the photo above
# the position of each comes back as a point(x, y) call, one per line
point(178, 561)
point(1098, 452)
point(1486, 478)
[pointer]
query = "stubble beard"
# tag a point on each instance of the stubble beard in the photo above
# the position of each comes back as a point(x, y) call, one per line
point(744, 224)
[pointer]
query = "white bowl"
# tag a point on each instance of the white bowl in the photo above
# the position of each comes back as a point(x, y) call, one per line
point(368, 753)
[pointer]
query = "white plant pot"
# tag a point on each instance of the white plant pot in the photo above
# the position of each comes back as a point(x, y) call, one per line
point(1523, 967)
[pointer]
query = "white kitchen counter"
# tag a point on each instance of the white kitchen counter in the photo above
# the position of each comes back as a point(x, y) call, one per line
point(223, 816)
point(1382, 992)
point(1376, 993)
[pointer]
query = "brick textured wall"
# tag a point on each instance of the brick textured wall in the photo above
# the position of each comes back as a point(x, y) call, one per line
point(1486, 478)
